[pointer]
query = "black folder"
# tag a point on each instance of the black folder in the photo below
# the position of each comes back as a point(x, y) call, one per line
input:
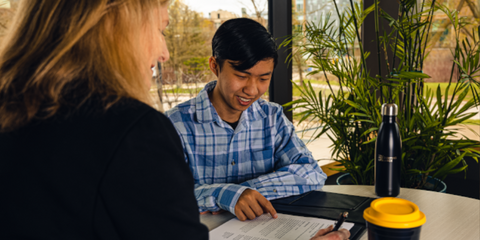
point(327, 205)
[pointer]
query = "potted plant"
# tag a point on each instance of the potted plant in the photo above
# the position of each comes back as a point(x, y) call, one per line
point(427, 118)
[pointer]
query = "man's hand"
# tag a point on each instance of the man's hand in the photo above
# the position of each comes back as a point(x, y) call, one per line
point(252, 204)
point(327, 234)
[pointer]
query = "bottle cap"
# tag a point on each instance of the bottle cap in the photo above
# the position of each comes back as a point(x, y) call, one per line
point(389, 109)
point(393, 212)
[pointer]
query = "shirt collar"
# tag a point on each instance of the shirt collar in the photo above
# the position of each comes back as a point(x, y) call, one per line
point(205, 111)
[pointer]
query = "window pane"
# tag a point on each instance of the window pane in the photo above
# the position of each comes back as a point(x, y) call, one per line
point(192, 26)
point(442, 43)
point(314, 12)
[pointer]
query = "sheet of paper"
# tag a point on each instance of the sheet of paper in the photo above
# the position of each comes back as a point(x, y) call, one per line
point(287, 227)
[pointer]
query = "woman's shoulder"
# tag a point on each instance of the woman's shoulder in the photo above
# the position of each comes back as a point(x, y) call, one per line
point(130, 108)
point(123, 110)
point(128, 112)
point(97, 119)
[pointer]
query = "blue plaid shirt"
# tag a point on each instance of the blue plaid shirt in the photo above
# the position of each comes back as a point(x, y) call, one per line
point(263, 153)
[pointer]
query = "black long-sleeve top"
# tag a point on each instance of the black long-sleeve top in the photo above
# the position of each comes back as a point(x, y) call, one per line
point(95, 174)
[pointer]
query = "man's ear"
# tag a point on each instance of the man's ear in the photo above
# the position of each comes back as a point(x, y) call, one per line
point(214, 67)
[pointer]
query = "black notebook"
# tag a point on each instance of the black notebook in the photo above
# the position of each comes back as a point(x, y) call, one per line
point(327, 205)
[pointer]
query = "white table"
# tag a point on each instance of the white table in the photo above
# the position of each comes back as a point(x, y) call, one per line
point(449, 217)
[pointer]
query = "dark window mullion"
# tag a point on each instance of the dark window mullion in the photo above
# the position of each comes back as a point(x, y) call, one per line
point(280, 26)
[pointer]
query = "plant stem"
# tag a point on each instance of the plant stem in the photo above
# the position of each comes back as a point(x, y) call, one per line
point(339, 39)
point(364, 61)
point(430, 14)
point(377, 27)
point(420, 53)
point(416, 49)
point(400, 17)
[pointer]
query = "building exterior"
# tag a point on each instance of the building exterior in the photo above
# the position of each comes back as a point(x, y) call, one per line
point(220, 16)
point(244, 13)
point(5, 4)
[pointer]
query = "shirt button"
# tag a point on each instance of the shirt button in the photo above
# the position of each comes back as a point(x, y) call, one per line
point(233, 163)
point(274, 190)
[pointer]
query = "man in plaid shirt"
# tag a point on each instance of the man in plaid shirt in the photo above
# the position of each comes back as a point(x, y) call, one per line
point(241, 149)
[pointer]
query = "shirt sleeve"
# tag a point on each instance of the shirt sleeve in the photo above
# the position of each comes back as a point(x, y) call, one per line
point(214, 197)
point(296, 170)
point(147, 190)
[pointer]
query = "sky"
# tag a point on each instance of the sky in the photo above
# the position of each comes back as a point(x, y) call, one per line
point(235, 6)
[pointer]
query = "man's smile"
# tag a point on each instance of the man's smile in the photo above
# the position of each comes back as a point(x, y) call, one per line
point(244, 101)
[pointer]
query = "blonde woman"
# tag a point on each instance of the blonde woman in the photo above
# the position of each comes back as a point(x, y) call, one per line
point(82, 154)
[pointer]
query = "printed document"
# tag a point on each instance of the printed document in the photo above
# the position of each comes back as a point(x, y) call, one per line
point(286, 227)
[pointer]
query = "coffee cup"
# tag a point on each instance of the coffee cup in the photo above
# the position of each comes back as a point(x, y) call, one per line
point(392, 218)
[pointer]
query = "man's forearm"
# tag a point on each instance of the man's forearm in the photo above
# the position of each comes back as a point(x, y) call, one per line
point(213, 197)
point(290, 180)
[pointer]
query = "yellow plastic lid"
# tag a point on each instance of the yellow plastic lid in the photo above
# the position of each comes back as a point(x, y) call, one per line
point(393, 212)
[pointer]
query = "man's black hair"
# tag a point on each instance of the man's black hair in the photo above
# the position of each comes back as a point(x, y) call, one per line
point(243, 42)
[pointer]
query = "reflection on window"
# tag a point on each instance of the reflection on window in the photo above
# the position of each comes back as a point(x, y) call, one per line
point(442, 40)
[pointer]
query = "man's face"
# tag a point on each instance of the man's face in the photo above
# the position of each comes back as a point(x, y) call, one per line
point(239, 89)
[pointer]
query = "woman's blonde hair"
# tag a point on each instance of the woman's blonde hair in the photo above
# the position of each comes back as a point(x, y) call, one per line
point(60, 50)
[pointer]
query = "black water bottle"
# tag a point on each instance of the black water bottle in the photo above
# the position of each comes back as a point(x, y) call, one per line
point(388, 154)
